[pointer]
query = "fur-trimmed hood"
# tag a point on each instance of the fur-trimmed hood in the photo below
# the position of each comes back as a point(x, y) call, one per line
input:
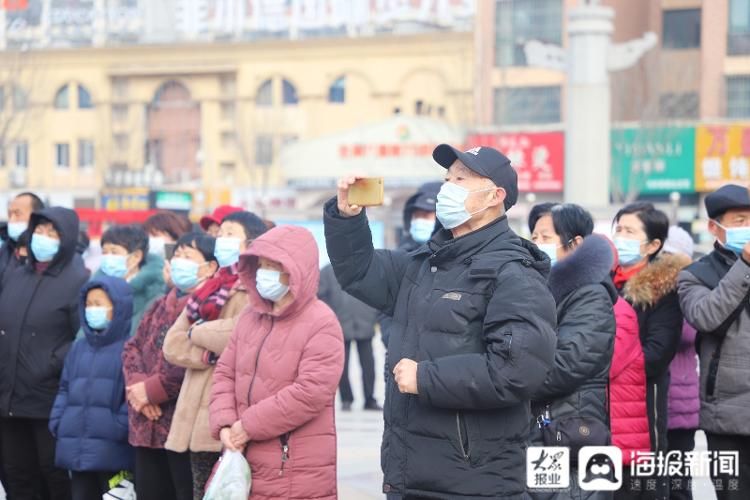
point(588, 265)
point(657, 280)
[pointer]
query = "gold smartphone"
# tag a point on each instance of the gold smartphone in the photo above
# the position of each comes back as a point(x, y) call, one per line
point(367, 192)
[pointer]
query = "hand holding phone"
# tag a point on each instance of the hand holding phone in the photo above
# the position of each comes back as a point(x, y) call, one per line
point(357, 192)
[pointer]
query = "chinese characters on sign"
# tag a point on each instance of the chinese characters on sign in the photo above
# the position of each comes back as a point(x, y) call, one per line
point(722, 155)
point(538, 157)
point(652, 160)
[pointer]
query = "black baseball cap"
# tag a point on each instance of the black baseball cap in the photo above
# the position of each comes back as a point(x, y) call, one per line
point(727, 198)
point(485, 161)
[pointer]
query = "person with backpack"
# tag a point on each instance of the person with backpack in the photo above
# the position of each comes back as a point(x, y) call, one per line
point(714, 295)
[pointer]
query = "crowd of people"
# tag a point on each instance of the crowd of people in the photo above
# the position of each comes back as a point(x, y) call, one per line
point(187, 340)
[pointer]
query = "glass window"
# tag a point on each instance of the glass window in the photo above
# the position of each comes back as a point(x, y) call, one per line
point(227, 111)
point(62, 155)
point(122, 142)
point(20, 100)
point(739, 27)
point(119, 112)
point(62, 100)
point(264, 150)
point(85, 153)
point(265, 94)
point(681, 29)
point(337, 92)
point(22, 154)
point(738, 96)
point(527, 105)
point(685, 105)
point(290, 93)
point(84, 98)
point(520, 21)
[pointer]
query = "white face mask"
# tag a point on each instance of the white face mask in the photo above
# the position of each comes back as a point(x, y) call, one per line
point(551, 250)
point(156, 246)
point(451, 205)
point(268, 283)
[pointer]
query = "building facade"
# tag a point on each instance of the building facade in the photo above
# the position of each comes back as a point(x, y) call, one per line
point(211, 116)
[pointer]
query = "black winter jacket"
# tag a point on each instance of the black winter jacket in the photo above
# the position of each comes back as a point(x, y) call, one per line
point(38, 321)
point(476, 314)
point(577, 384)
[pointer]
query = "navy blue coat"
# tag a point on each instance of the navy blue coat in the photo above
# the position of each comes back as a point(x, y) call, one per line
point(90, 414)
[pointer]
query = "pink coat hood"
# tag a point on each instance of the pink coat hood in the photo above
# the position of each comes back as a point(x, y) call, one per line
point(279, 375)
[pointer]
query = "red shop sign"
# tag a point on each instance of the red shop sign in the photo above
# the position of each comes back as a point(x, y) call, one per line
point(538, 157)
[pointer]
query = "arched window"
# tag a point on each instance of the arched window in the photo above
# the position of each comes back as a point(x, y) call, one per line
point(265, 94)
point(62, 98)
point(171, 92)
point(84, 98)
point(290, 93)
point(337, 91)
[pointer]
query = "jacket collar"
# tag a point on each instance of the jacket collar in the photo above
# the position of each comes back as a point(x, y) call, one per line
point(657, 280)
point(589, 264)
point(445, 247)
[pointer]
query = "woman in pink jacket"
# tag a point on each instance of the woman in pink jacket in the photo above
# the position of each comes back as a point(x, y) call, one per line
point(275, 383)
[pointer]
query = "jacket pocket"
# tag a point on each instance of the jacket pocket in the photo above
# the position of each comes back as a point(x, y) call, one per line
point(463, 436)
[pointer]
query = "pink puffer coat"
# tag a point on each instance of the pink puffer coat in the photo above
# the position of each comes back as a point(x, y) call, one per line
point(279, 375)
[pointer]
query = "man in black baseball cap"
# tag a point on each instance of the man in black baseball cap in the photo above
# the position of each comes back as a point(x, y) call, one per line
point(486, 162)
point(472, 336)
point(714, 299)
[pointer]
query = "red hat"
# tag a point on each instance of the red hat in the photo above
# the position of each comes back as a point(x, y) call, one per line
point(218, 215)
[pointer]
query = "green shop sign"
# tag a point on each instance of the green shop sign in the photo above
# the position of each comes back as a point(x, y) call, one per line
point(653, 160)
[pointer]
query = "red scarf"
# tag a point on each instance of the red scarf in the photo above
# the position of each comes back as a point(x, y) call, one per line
point(623, 275)
point(207, 302)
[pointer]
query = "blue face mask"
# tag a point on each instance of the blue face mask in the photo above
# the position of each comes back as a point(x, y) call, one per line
point(227, 251)
point(629, 251)
point(114, 265)
point(96, 318)
point(184, 273)
point(451, 205)
point(16, 229)
point(268, 283)
point(551, 250)
point(44, 248)
point(737, 237)
point(421, 230)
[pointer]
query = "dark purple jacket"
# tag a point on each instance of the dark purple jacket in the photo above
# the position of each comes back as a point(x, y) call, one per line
point(684, 404)
point(143, 361)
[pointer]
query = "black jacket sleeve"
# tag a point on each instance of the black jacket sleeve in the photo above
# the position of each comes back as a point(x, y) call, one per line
point(372, 276)
point(661, 334)
point(519, 330)
point(585, 340)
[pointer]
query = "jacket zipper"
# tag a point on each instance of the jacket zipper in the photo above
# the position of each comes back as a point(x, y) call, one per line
point(460, 425)
point(257, 361)
point(656, 417)
point(284, 451)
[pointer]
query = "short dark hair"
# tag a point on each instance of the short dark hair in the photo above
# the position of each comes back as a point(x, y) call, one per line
point(36, 202)
point(655, 222)
point(537, 212)
point(130, 237)
point(168, 222)
point(251, 223)
point(200, 241)
point(569, 220)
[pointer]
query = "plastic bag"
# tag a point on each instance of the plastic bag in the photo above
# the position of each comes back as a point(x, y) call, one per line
point(125, 490)
point(232, 479)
